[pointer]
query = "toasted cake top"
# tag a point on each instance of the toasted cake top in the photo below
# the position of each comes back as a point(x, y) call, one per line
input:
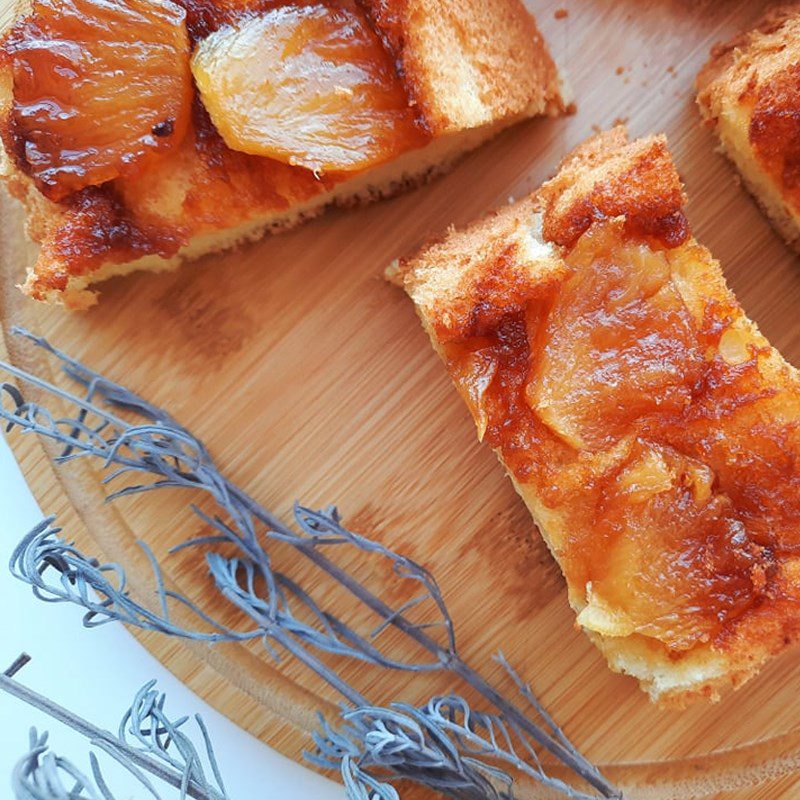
point(769, 46)
point(607, 177)
point(651, 428)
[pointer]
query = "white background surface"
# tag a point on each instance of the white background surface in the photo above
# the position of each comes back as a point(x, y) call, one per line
point(96, 673)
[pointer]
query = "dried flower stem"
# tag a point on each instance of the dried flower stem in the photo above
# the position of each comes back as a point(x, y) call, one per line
point(19, 662)
point(189, 780)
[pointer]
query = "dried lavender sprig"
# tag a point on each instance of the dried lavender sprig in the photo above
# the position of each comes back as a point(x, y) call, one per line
point(459, 774)
point(59, 572)
point(455, 749)
point(170, 451)
point(148, 742)
point(166, 450)
point(40, 775)
point(79, 576)
point(17, 664)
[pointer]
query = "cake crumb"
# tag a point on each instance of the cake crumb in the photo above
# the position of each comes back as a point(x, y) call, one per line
point(621, 121)
point(620, 70)
point(561, 13)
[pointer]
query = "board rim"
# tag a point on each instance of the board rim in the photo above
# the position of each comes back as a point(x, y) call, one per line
point(79, 496)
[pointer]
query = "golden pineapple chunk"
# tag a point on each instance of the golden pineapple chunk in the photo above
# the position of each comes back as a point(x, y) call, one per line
point(310, 86)
point(99, 89)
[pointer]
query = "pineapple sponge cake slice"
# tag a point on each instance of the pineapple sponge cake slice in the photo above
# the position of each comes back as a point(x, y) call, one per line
point(652, 431)
point(749, 93)
point(141, 133)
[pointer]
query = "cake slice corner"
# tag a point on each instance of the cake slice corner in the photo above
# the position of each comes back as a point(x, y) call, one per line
point(748, 92)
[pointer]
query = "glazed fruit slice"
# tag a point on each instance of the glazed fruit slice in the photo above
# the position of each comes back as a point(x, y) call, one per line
point(99, 88)
point(310, 86)
point(672, 544)
point(619, 343)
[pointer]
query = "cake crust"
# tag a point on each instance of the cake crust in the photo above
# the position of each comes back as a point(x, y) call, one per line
point(749, 93)
point(649, 427)
point(467, 64)
point(202, 196)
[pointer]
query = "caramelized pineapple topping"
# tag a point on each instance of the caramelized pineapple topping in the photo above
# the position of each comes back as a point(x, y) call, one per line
point(601, 394)
point(620, 343)
point(98, 89)
point(307, 85)
point(676, 561)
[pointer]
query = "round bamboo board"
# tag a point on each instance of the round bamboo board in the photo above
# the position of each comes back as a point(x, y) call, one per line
point(309, 378)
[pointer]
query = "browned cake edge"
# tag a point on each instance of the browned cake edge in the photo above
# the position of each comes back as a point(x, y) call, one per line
point(723, 84)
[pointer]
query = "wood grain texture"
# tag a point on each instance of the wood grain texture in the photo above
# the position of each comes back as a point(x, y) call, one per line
point(309, 377)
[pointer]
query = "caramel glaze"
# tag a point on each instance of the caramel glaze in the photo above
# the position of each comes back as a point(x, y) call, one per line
point(662, 446)
point(775, 129)
point(100, 229)
point(110, 223)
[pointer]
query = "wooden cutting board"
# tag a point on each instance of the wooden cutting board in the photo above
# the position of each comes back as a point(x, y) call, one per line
point(309, 377)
